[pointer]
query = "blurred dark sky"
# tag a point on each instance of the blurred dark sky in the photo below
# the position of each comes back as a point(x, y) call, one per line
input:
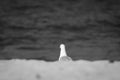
point(35, 28)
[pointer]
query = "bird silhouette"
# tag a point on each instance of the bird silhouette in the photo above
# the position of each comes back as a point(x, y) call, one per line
point(63, 55)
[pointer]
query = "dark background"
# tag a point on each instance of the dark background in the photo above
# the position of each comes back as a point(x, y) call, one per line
point(34, 29)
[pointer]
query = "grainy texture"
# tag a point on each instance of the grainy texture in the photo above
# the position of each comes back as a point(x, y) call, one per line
point(36, 28)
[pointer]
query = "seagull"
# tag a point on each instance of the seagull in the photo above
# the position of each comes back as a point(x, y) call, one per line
point(63, 55)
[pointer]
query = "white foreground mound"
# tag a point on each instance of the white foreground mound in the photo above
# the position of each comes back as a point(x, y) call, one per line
point(40, 70)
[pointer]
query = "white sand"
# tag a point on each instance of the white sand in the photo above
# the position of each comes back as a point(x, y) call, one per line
point(40, 70)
